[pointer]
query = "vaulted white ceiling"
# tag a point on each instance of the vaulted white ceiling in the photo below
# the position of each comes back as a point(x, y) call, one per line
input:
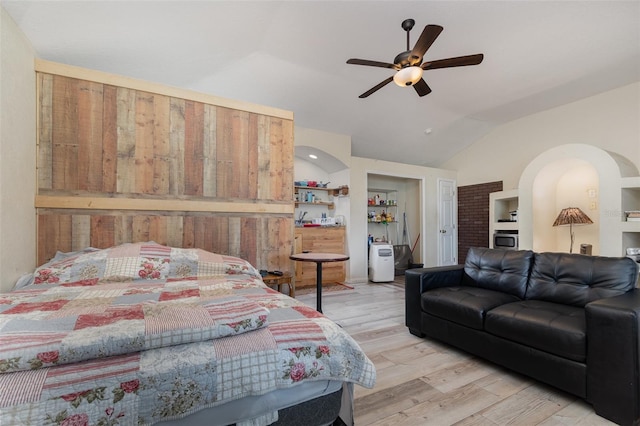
point(292, 55)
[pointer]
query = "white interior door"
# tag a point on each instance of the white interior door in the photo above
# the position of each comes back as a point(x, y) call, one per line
point(447, 218)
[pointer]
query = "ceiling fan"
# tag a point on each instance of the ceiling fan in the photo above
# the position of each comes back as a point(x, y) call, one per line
point(409, 65)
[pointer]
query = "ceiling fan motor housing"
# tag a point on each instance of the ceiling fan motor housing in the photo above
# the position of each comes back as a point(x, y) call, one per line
point(406, 59)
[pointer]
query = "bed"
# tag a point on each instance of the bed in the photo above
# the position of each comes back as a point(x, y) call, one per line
point(143, 333)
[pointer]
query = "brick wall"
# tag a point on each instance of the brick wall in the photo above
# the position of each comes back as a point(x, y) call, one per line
point(473, 216)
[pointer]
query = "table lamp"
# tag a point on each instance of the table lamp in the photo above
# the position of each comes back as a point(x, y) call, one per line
point(569, 216)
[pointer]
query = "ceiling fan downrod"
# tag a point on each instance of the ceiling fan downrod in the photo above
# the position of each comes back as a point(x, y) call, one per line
point(407, 25)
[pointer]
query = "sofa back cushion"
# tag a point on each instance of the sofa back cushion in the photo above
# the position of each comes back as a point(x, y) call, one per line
point(496, 269)
point(575, 279)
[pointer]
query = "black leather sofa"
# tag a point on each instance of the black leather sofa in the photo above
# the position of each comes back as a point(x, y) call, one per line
point(569, 320)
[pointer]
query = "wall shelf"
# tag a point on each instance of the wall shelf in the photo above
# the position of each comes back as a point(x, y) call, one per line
point(334, 192)
point(330, 192)
point(628, 226)
point(505, 226)
point(330, 205)
point(382, 205)
point(630, 196)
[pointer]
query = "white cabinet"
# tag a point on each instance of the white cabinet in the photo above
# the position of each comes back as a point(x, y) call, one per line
point(501, 205)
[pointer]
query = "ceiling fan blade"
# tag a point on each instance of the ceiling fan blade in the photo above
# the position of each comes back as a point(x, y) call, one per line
point(428, 36)
point(460, 61)
point(376, 87)
point(372, 63)
point(422, 88)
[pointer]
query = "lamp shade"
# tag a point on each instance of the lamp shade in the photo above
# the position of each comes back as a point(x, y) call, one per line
point(572, 215)
point(408, 76)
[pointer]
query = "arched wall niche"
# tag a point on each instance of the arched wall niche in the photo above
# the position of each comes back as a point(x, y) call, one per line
point(543, 191)
point(325, 159)
point(561, 184)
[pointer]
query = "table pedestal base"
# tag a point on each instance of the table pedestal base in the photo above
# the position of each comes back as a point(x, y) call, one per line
point(319, 259)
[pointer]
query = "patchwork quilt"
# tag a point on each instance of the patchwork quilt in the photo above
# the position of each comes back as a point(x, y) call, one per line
point(141, 333)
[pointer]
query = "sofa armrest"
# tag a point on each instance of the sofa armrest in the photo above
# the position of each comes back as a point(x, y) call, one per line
point(417, 281)
point(613, 360)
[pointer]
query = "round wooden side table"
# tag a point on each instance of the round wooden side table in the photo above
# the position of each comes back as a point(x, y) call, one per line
point(285, 278)
point(319, 259)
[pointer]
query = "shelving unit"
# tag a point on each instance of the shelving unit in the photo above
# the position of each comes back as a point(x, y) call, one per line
point(388, 204)
point(500, 205)
point(328, 192)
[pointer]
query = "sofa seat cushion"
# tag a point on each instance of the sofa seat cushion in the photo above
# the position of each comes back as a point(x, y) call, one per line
point(551, 327)
point(463, 305)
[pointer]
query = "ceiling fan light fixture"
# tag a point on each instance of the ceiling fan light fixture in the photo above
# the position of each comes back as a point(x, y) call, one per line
point(408, 76)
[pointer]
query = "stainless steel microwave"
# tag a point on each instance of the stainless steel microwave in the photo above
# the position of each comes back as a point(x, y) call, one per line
point(505, 240)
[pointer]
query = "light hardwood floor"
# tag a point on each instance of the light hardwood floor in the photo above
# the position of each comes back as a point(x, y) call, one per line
point(423, 382)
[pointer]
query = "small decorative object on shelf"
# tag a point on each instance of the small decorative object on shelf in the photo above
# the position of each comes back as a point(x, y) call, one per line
point(633, 215)
point(380, 217)
point(376, 202)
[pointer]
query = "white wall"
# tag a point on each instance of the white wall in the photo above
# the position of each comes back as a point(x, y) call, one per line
point(610, 121)
point(17, 153)
point(335, 144)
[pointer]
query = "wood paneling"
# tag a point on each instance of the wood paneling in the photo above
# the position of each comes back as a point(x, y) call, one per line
point(117, 163)
point(260, 239)
point(78, 200)
point(161, 145)
point(174, 92)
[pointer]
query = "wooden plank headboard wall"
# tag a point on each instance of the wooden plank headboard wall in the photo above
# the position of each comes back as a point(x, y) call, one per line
point(122, 160)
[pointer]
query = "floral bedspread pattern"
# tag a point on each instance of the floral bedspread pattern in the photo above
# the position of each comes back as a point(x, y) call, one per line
point(76, 319)
point(160, 333)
